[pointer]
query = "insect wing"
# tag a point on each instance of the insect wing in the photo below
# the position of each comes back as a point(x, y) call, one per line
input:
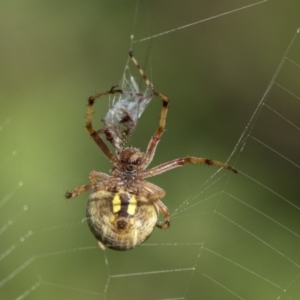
point(122, 116)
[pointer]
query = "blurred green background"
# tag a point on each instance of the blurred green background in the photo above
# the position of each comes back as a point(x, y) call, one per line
point(232, 237)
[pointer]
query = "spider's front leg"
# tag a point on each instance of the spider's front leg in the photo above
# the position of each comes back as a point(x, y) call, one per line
point(89, 125)
point(163, 116)
point(159, 131)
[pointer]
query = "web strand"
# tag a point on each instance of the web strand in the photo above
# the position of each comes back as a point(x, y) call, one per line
point(197, 22)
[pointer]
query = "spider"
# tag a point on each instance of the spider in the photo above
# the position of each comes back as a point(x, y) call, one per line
point(122, 210)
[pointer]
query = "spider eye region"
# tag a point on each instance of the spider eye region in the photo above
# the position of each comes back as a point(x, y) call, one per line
point(131, 156)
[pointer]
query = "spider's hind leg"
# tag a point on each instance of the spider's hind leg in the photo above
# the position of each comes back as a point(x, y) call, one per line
point(164, 210)
point(155, 195)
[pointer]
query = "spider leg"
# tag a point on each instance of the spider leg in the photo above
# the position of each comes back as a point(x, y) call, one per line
point(164, 210)
point(89, 125)
point(154, 194)
point(159, 131)
point(93, 176)
point(149, 84)
point(163, 116)
point(181, 161)
point(81, 189)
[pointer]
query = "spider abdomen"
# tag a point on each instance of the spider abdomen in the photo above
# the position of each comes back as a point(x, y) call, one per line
point(120, 221)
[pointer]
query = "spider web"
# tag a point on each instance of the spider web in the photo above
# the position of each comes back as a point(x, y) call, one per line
point(232, 73)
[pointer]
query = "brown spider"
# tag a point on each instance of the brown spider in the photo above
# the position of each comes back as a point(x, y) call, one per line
point(122, 209)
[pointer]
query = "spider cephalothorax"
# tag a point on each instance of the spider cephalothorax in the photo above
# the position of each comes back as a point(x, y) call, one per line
point(131, 158)
point(123, 208)
point(128, 167)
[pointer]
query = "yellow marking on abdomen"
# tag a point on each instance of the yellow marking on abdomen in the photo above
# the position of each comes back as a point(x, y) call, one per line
point(116, 203)
point(132, 205)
